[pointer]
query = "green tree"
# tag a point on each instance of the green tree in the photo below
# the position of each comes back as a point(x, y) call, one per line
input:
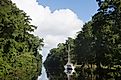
point(106, 30)
point(99, 42)
point(84, 45)
point(57, 59)
point(107, 35)
point(19, 49)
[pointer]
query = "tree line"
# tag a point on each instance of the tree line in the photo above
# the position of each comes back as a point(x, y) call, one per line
point(19, 49)
point(97, 44)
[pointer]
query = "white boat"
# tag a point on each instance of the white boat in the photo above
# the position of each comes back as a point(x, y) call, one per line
point(69, 67)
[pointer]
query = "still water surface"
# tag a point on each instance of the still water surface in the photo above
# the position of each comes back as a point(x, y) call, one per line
point(59, 74)
point(43, 76)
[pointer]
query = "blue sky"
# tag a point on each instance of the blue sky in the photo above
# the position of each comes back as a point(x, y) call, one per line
point(56, 20)
point(84, 9)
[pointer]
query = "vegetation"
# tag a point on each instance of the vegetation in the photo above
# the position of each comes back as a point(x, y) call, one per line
point(57, 58)
point(19, 49)
point(97, 46)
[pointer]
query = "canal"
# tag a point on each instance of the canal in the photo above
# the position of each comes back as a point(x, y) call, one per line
point(57, 73)
point(43, 76)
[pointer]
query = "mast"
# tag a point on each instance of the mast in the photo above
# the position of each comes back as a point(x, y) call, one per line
point(69, 60)
point(69, 68)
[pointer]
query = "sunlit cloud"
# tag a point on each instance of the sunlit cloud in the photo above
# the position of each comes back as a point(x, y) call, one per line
point(54, 27)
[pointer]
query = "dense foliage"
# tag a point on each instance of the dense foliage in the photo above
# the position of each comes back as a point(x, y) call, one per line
point(97, 47)
point(57, 58)
point(19, 49)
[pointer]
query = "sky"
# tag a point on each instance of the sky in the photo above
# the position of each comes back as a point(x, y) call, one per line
point(56, 20)
point(84, 9)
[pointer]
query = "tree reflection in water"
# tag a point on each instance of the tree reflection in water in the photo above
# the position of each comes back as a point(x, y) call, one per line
point(56, 73)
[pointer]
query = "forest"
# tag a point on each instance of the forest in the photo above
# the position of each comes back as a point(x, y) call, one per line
point(97, 47)
point(19, 48)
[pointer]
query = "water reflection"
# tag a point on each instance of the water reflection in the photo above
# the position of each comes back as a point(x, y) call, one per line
point(57, 73)
point(43, 76)
point(69, 73)
point(69, 70)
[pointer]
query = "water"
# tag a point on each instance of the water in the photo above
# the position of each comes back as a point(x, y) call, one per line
point(81, 74)
point(43, 76)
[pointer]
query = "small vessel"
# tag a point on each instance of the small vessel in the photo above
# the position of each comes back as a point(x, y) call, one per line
point(69, 67)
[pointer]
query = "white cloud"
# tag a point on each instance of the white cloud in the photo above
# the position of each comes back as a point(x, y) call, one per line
point(55, 26)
